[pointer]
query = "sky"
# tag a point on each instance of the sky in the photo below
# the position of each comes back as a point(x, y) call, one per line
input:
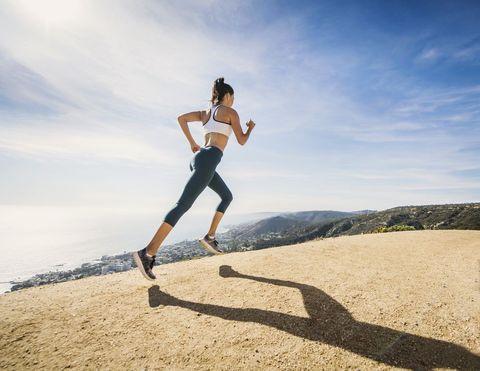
point(357, 105)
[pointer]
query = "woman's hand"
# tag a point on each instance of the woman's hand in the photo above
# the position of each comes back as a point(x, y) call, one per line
point(195, 147)
point(250, 125)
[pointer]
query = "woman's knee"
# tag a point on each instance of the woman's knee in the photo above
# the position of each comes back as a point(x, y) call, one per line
point(227, 197)
point(177, 211)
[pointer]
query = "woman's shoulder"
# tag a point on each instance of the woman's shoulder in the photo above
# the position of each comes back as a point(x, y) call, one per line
point(222, 110)
point(228, 110)
point(205, 113)
point(226, 113)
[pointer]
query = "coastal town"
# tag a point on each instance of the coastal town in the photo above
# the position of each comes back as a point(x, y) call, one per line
point(184, 250)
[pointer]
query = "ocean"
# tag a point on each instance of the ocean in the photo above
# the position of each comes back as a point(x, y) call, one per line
point(38, 239)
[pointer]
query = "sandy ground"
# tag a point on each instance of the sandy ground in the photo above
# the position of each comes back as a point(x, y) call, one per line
point(400, 299)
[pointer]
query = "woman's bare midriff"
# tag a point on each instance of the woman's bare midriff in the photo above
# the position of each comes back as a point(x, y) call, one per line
point(216, 139)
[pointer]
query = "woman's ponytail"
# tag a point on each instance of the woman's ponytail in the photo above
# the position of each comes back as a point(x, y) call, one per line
point(219, 89)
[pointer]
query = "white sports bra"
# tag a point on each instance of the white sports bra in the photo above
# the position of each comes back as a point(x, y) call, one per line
point(215, 126)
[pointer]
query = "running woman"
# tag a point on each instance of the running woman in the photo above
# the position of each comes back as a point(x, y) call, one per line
point(218, 122)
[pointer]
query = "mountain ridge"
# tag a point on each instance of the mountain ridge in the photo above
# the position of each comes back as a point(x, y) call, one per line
point(436, 216)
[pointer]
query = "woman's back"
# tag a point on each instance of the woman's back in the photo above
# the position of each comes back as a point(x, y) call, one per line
point(217, 127)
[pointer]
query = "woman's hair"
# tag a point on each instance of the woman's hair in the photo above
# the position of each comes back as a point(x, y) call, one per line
point(219, 89)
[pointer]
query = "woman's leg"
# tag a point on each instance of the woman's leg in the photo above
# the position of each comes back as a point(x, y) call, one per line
point(219, 186)
point(204, 165)
point(157, 240)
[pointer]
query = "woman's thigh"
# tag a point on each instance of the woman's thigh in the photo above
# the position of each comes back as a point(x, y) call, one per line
point(197, 182)
point(203, 167)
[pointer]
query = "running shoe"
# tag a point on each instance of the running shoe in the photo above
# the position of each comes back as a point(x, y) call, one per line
point(210, 244)
point(144, 263)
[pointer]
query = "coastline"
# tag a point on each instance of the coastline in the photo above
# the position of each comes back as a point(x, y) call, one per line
point(106, 264)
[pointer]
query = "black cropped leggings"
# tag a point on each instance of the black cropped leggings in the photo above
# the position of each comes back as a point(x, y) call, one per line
point(203, 165)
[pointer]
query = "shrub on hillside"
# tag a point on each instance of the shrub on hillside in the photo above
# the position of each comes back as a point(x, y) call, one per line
point(394, 228)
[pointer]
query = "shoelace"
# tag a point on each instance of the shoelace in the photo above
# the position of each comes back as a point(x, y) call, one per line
point(152, 262)
point(214, 240)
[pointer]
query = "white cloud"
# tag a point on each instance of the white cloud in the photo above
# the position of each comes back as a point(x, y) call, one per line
point(430, 54)
point(52, 140)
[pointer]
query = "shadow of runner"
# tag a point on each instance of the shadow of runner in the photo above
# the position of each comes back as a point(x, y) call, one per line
point(331, 323)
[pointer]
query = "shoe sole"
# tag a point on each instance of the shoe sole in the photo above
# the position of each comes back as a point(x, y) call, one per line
point(138, 261)
point(209, 248)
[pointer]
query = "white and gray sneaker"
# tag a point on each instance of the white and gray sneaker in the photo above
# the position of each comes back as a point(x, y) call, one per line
point(210, 244)
point(145, 263)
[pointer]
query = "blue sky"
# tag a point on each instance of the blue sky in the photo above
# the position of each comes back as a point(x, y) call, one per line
point(358, 105)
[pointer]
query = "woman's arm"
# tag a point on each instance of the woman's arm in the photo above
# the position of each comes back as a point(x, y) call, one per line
point(184, 119)
point(237, 128)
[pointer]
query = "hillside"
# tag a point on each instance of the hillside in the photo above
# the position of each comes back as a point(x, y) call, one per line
point(419, 217)
point(284, 223)
point(407, 299)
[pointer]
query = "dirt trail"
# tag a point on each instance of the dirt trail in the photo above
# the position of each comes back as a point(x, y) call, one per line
point(405, 299)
